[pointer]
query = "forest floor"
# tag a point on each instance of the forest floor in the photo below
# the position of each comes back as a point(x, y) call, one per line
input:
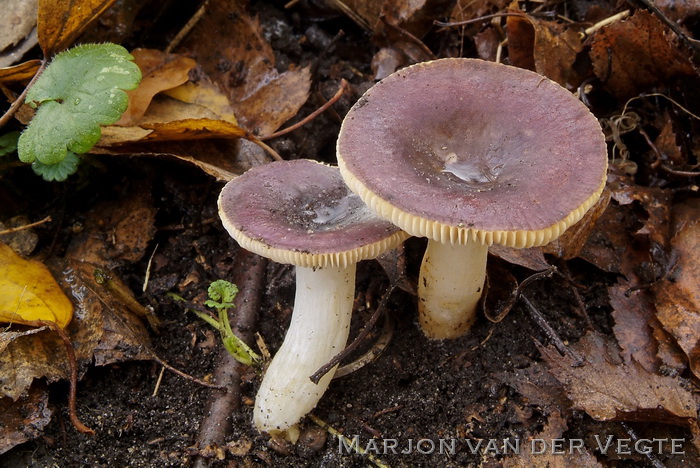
point(599, 368)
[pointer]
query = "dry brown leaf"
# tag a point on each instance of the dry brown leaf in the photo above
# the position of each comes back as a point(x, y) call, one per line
point(609, 390)
point(656, 202)
point(570, 244)
point(23, 71)
point(24, 419)
point(60, 22)
point(610, 238)
point(678, 294)
point(667, 143)
point(160, 72)
point(632, 311)
point(547, 47)
point(244, 67)
point(532, 258)
point(465, 10)
point(633, 55)
point(486, 43)
point(116, 232)
point(521, 38)
point(680, 11)
point(538, 451)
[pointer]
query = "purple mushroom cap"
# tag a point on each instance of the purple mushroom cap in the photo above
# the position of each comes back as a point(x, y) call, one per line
point(301, 212)
point(471, 149)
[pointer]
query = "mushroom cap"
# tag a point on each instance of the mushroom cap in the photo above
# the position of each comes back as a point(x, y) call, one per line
point(301, 212)
point(461, 150)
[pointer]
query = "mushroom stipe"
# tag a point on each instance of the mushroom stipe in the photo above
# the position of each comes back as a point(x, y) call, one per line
point(301, 212)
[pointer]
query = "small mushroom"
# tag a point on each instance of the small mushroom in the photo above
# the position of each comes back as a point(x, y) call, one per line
point(301, 212)
point(469, 153)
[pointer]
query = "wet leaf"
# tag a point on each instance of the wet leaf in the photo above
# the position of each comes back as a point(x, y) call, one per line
point(205, 94)
point(632, 312)
point(500, 291)
point(570, 244)
point(547, 47)
point(60, 22)
point(23, 71)
point(635, 54)
point(244, 68)
point(28, 292)
point(116, 232)
point(24, 419)
point(609, 390)
point(103, 331)
point(678, 294)
point(160, 72)
point(532, 258)
point(79, 91)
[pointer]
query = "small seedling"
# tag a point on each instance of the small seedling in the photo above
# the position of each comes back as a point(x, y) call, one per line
point(221, 296)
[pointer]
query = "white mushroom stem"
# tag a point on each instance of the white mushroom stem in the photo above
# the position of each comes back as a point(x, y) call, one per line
point(318, 331)
point(451, 282)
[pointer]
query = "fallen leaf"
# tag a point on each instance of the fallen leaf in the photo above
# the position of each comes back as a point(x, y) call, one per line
point(116, 232)
point(635, 54)
point(60, 22)
point(160, 71)
point(572, 241)
point(103, 331)
point(18, 30)
point(607, 389)
point(678, 294)
point(244, 67)
point(632, 312)
point(28, 292)
point(547, 47)
point(23, 71)
point(206, 94)
point(24, 419)
point(532, 258)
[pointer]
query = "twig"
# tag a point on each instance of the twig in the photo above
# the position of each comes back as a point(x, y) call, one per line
point(26, 226)
point(313, 115)
point(549, 331)
point(377, 348)
point(318, 375)
point(455, 24)
point(73, 366)
point(421, 45)
point(187, 27)
point(348, 443)
point(223, 404)
point(609, 20)
point(656, 463)
point(20, 99)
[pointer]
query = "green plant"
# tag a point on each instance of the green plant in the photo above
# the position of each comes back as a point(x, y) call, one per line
point(221, 295)
point(81, 89)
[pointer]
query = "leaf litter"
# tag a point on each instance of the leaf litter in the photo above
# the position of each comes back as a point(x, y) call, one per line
point(632, 262)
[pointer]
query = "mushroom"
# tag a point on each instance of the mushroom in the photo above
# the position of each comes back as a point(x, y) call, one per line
point(300, 212)
point(469, 153)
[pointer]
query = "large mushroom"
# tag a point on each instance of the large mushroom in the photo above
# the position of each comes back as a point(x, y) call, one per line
point(300, 212)
point(470, 153)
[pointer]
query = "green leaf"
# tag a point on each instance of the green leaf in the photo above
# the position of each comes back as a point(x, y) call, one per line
point(8, 143)
point(221, 294)
point(80, 90)
point(57, 172)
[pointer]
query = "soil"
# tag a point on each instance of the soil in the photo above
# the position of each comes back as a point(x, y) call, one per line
point(417, 388)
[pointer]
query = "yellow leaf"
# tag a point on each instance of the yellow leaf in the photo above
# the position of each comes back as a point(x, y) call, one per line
point(28, 292)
